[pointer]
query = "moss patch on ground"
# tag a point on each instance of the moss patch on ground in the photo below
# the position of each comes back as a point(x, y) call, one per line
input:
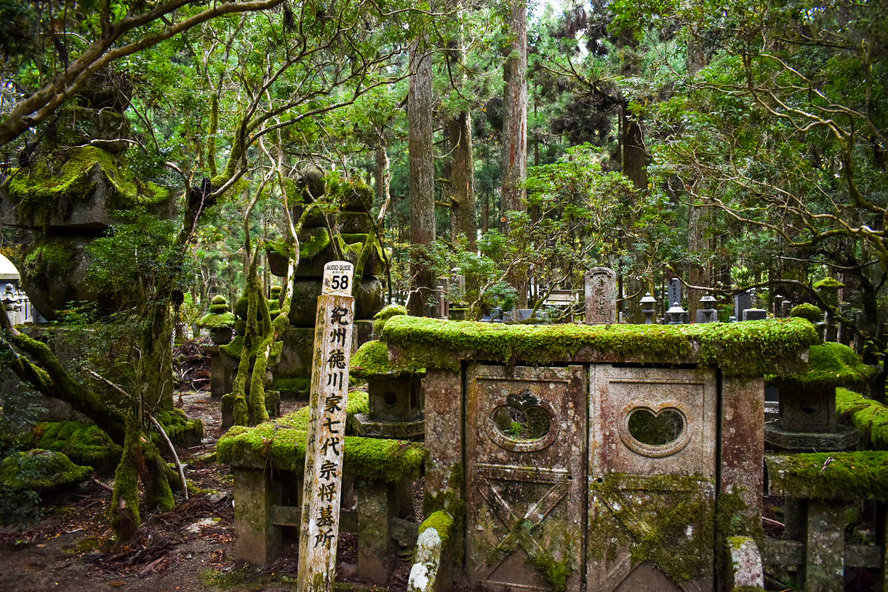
point(739, 349)
point(283, 442)
point(868, 416)
point(829, 475)
point(85, 444)
point(41, 471)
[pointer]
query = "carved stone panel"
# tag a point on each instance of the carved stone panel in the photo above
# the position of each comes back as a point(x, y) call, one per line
point(525, 475)
point(652, 471)
point(601, 296)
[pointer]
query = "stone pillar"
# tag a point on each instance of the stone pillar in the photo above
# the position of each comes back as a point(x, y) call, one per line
point(825, 547)
point(376, 508)
point(257, 540)
point(743, 443)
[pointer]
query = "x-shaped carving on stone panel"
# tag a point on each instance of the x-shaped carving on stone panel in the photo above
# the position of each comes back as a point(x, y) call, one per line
point(520, 529)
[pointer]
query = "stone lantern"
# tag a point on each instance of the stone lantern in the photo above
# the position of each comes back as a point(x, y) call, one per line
point(807, 418)
point(707, 313)
point(396, 406)
point(648, 308)
point(676, 314)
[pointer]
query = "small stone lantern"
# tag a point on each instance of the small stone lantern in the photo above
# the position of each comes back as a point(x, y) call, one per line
point(807, 414)
point(396, 406)
point(648, 309)
point(676, 314)
point(707, 312)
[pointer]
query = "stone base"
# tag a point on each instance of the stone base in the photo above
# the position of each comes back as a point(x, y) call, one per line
point(396, 430)
point(844, 438)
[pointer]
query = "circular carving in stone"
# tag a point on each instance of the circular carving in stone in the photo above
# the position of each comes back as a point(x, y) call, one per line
point(654, 433)
point(522, 423)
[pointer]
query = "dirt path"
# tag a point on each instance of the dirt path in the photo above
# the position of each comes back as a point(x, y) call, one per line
point(186, 550)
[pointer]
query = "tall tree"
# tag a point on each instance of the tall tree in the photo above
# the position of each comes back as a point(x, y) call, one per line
point(515, 125)
point(421, 147)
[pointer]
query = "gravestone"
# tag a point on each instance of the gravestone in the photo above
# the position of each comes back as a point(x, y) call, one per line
point(674, 291)
point(601, 296)
point(742, 301)
point(322, 493)
point(755, 314)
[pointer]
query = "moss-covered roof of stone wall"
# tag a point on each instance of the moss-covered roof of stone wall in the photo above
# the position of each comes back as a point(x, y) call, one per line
point(830, 365)
point(868, 416)
point(740, 349)
point(282, 442)
point(829, 475)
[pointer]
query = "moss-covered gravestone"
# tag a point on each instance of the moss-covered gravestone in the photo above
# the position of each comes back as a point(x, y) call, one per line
point(352, 240)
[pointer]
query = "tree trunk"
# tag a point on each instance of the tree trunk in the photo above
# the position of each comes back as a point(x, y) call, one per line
point(422, 179)
point(515, 129)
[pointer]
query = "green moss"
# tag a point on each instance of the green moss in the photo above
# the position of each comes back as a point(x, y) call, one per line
point(828, 283)
point(85, 444)
point(825, 475)
point(807, 311)
point(284, 441)
point(312, 242)
point(380, 318)
point(180, 430)
point(868, 416)
point(56, 254)
point(831, 365)
point(372, 359)
point(668, 522)
point(68, 176)
point(442, 523)
point(212, 320)
point(40, 471)
point(750, 348)
point(298, 386)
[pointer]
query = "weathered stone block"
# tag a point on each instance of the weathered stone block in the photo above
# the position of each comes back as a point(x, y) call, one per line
point(257, 540)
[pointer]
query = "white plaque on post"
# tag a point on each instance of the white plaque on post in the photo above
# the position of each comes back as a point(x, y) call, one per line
point(322, 485)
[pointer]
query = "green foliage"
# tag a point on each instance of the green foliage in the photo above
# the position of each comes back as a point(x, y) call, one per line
point(138, 258)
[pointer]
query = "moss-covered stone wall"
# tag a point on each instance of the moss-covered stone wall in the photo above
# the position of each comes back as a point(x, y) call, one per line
point(740, 349)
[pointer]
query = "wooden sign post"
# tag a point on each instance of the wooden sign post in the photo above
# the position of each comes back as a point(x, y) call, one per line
point(322, 492)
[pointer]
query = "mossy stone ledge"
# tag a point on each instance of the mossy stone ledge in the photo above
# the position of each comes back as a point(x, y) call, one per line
point(282, 443)
point(829, 476)
point(868, 416)
point(776, 346)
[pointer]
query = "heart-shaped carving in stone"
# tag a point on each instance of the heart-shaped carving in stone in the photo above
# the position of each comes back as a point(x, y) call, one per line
point(656, 429)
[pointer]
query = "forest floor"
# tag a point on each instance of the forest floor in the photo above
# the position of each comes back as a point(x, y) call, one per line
point(189, 549)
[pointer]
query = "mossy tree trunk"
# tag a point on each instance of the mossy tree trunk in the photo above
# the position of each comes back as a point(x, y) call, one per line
point(34, 363)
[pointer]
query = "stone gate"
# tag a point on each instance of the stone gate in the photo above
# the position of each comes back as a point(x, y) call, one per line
point(596, 458)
